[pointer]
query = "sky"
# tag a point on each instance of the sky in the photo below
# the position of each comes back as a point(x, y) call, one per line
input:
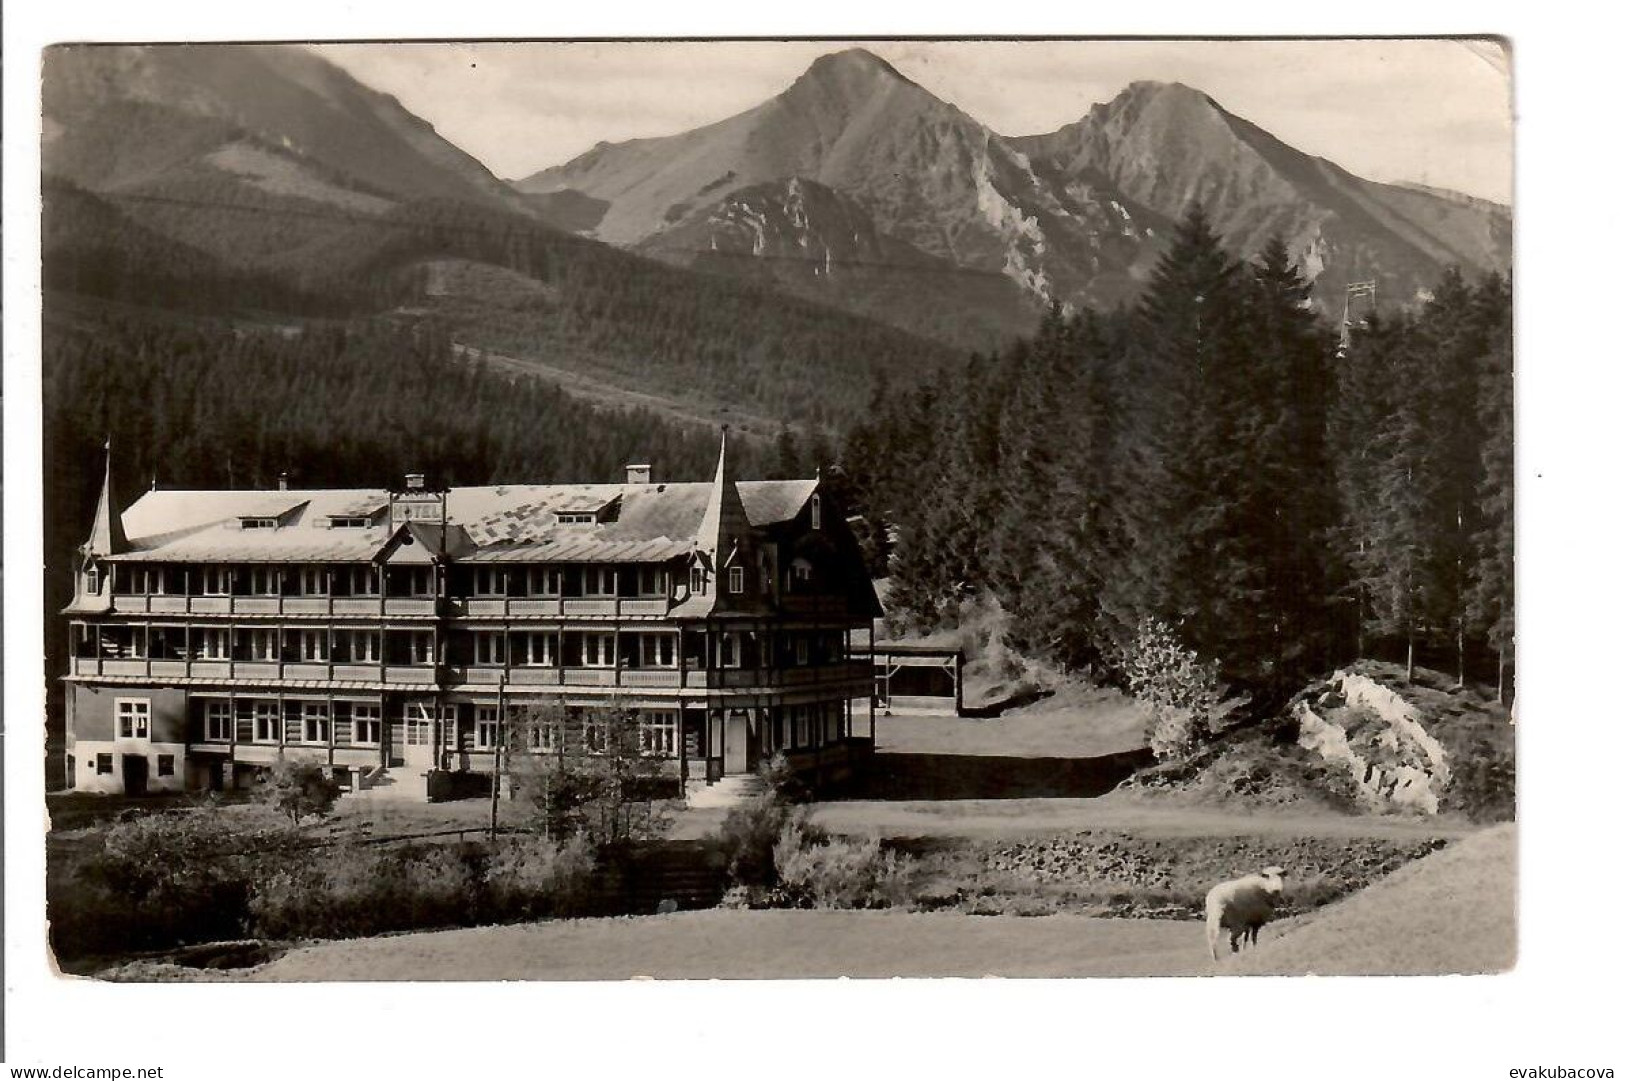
point(1427, 111)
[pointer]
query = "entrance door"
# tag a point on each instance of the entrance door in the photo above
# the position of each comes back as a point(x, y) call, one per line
point(135, 774)
point(737, 745)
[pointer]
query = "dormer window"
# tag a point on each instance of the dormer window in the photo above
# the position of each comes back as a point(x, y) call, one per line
point(348, 522)
point(736, 579)
point(817, 512)
point(258, 523)
point(696, 580)
point(577, 518)
point(93, 580)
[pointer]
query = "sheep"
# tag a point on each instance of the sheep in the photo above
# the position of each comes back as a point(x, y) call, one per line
point(1241, 906)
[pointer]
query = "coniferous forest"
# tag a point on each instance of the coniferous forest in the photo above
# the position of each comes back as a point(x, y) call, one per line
point(1215, 458)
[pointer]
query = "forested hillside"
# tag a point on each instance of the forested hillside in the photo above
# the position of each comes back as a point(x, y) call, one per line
point(1212, 459)
point(588, 307)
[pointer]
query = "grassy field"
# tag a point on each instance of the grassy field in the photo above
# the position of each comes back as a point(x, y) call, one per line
point(1452, 912)
point(1080, 722)
point(761, 945)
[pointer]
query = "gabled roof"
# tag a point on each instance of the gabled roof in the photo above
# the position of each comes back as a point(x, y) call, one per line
point(497, 523)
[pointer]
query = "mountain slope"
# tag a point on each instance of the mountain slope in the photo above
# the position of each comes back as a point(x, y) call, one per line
point(1167, 146)
point(1078, 215)
point(272, 117)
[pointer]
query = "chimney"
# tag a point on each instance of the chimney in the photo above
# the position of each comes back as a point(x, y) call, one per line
point(414, 482)
point(637, 473)
point(281, 482)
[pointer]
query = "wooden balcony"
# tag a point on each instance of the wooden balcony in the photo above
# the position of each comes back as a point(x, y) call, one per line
point(380, 607)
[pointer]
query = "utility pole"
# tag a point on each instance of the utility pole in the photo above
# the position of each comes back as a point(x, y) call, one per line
point(496, 750)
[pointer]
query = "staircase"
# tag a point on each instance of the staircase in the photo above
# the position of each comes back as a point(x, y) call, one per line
point(728, 792)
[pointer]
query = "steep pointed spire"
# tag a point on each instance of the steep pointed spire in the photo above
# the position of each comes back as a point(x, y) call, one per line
point(725, 523)
point(107, 531)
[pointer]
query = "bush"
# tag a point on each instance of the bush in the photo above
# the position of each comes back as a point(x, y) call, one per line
point(299, 789)
point(353, 890)
point(1187, 703)
point(817, 871)
point(163, 880)
point(527, 877)
point(747, 837)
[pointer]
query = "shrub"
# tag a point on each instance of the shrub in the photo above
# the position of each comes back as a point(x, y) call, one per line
point(1183, 692)
point(354, 890)
point(162, 880)
point(817, 871)
point(747, 837)
point(299, 789)
point(528, 877)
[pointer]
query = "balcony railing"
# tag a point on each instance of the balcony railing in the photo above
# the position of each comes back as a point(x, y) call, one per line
point(489, 676)
point(170, 605)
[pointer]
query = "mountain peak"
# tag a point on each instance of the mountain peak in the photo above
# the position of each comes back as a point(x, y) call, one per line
point(852, 69)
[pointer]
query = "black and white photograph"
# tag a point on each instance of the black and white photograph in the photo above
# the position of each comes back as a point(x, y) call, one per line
point(552, 512)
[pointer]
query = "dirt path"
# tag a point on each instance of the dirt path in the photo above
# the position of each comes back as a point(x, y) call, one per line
point(759, 945)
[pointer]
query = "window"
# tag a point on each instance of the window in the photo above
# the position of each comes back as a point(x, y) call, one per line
point(817, 512)
point(215, 644)
point(217, 581)
point(576, 517)
point(598, 581)
point(533, 649)
point(736, 579)
point(594, 735)
point(660, 650)
point(799, 715)
point(360, 581)
point(104, 763)
point(312, 720)
point(489, 647)
point(420, 647)
point(93, 580)
point(651, 582)
point(259, 523)
point(490, 582)
point(696, 580)
point(166, 765)
point(657, 732)
point(485, 727)
point(419, 718)
point(348, 521)
point(267, 722)
point(546, 736)
point(544, 581)
point(802, 649)
point(133, 716)
point(217, 721)
point(262, 581)
point(729, 644)
point(366, 722)
point(357, 647)
point(412, 582)
point(313, 581)
point(801, 572)
point(309, 644)
point(598, 650)
point(259, 644)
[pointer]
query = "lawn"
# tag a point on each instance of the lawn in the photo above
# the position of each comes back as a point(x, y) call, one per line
point(1076, 722)
point(721, 944)
point(1452, 912)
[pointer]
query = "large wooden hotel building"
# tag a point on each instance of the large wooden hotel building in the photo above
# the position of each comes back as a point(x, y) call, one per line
point(390, 635)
